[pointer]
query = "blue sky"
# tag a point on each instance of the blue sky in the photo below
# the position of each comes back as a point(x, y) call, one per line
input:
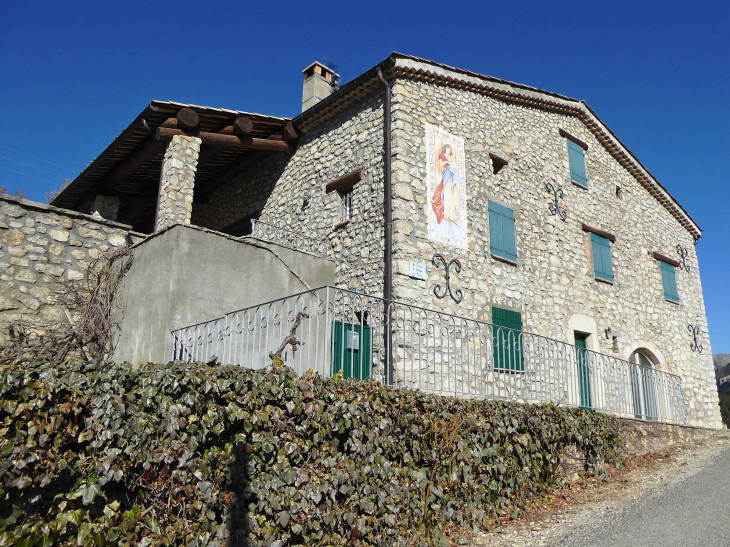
point(74, 74)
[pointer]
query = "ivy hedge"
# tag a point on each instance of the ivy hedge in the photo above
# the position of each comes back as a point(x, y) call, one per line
point(191, 454)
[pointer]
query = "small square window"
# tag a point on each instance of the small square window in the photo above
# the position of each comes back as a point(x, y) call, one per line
point(346, 205)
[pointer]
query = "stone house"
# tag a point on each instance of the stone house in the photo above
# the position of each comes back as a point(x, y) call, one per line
point(443, 190)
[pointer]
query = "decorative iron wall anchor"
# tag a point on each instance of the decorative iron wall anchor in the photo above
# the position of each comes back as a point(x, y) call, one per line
point(683, 254)
point(695, 331)
point(456, 294)
point(555, 208)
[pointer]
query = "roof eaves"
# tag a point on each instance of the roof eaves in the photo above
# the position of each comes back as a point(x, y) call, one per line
point(630, 153)
point(126, 132)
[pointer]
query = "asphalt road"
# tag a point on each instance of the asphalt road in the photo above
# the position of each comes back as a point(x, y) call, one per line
point(691, 511)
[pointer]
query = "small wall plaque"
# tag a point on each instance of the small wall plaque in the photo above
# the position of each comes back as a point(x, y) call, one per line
point(416, 270)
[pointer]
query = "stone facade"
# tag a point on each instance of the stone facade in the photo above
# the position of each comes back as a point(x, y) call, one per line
point(43, 249)
point(275, 189)
point(177, 181)
point(552, 284)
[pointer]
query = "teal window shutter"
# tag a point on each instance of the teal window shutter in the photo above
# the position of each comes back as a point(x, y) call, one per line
point(502, 231)
point(602, 265)
point(669, 280)
point(577, 158)
point(507, 340)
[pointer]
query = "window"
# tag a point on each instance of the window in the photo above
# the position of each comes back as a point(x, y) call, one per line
point(346, 204)
point(507, 340)
point(669, 280)
point(576, 156)
point(603, 269)
point(502, 232)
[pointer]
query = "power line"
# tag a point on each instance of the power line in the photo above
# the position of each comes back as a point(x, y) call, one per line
point(27, 175)
point(35, 157)
point(33, 166)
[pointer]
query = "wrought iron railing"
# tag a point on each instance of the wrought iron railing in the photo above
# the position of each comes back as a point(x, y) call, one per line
point(289, 238)
point(412, 347)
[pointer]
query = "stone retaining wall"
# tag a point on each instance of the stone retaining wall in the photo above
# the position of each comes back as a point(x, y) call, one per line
point(43, 250)
point(641, 437)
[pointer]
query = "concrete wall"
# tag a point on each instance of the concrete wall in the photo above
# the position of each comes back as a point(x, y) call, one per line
point(185, 275)
point(552, 284)
point(43, 251)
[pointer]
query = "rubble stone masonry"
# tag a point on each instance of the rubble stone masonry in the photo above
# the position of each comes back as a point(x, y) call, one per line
point(552, 283)
point(43, 249)
point(177, 181)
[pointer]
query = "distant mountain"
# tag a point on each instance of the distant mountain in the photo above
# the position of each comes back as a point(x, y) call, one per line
point(722, 371)
point(721, 360)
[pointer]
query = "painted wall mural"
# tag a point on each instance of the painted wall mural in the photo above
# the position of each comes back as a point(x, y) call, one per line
point(446, 174)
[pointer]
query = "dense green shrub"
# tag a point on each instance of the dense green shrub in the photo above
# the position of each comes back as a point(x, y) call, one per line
point(101, 454)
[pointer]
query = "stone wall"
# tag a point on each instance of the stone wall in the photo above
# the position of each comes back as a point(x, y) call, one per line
point(275, 187)
point(177, 181)
point(641, 437)
point(44, 249)
point(553, 283)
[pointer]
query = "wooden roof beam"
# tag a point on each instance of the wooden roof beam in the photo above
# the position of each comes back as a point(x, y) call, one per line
point(142, 154)
point(166, 134)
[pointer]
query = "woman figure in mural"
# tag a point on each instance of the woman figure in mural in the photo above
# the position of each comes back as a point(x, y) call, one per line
point(445, 200)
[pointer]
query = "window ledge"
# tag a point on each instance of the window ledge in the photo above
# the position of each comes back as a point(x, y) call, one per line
point(579, 185)
point(341, 224)
point(606, 281)
point(675, 302)
point(502, 259)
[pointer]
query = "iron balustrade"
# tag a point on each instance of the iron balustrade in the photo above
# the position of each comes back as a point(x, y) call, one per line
point(289, 238)
point(430, 351)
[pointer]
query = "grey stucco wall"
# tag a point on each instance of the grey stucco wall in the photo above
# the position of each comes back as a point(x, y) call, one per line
point(186, 275)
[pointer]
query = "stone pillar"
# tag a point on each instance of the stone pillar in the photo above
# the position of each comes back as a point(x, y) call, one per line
point(177, 182)
point(106, 207)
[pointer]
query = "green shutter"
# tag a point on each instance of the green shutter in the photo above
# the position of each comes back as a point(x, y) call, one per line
point(507, 340)
point(502, 231)
point(602, 257)
point(576, 155)
point(669, 280)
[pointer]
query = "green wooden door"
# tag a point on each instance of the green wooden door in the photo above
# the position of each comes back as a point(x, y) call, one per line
point(584, 371)
point(352, 350)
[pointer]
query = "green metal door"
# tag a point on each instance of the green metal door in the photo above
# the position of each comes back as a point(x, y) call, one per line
point(351, 350)
point(584, 371)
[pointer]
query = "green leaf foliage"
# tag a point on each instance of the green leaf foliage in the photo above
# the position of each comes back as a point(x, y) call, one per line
point(99, 454)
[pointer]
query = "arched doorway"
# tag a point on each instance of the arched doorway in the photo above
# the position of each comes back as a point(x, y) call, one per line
point(644, 385)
